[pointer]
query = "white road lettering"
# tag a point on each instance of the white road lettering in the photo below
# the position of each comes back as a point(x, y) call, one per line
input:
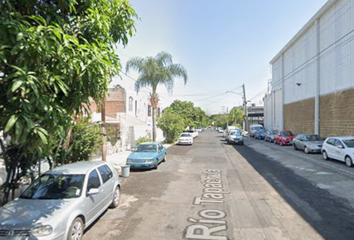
point(211, 223)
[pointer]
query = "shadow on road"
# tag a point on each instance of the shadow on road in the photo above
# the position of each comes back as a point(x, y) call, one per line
point(331, 216)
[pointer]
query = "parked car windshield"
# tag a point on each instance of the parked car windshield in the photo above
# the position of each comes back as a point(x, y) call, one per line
point(288, 133)
point(235, 133)
point(312, 138)
point(349, 143)
point(147, 148)
point(50, 186)
point(185, 135)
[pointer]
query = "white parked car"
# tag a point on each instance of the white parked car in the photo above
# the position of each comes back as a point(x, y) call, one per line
point(339, 148)
point(193, 132)
point(185, 138)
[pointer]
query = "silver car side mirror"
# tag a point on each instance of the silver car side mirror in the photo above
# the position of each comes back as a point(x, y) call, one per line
point(93, 191)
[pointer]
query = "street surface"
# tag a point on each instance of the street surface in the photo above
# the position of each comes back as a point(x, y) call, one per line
point(213, 190)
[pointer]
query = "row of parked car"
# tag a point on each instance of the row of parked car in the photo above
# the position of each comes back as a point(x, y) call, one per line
point(186, 137)
point(337, 148)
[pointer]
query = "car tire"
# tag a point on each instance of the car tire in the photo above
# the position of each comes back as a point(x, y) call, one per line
point(348, 161)
point(76, 229)
point(164, 158)
point(281, 143)
point(275, 142)
point(324, 155)
point(156, 164)
point(116, 198)
point(295, 147)
point(306, 150)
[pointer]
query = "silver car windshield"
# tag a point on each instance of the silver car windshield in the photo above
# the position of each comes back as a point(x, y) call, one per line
point(50, 186)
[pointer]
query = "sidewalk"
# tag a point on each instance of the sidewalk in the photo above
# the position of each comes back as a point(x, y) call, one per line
point(118, 160)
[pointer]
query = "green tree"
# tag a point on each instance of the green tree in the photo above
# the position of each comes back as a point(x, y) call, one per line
point(193, 116)
point(54, 56)
point(236, 116)
point(178, 116)
point(154, 71)
point(172, 124)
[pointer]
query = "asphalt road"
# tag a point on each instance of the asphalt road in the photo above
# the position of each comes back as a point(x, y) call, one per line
point(213, 190)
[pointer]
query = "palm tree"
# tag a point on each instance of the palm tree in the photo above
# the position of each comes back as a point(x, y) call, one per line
point(154, 71)
point(236, 114)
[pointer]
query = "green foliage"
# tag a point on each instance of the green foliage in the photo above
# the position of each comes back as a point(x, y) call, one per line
point(236, 116)
point(192, 116)
point(142, 140)
point(86, 140)
point(54, 56)
point(172, 124)
point(178, 116)
point(113, 133)
point(219, 120)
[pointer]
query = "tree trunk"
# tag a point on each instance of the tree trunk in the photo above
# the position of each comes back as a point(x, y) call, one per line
point(103, 118)
point(153, 123)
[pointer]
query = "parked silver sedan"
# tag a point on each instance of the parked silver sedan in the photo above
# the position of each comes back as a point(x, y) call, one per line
point(309, 143)
point(61, 203)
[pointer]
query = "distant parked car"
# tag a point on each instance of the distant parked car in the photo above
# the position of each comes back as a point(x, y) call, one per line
point(339, 148)
point(253, 128)
point(220, 130)
point(284, 138)
point(147, 155)
point(185, 138)
point(310, 143)
point(200, 129)
point(259, 134)
point(269, 135)
point(193, 132)
point(244, 133)
point(62, 202)
point(234, 137)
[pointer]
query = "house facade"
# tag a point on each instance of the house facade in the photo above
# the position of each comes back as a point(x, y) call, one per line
point(128, 112)
point(313, 76)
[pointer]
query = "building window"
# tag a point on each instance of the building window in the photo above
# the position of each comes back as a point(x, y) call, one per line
point(130, 108)
point(136, 108)
point(149, 111)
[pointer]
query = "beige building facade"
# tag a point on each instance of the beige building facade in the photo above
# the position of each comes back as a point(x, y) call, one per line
point(312, 88)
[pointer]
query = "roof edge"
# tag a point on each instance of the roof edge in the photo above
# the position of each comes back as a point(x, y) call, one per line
point(323, 10)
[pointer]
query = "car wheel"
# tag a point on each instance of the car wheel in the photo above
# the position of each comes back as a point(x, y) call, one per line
point(76, 229)
point(295, 147)
point(324, 155)
point(116, 198)
point(281, 143)
point(348, 161)
point(164, 159)
point(156, 164)
point(306, 150)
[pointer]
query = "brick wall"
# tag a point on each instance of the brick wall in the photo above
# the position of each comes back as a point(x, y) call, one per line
point(115, 102)
point(299, 117)
point(337, 114)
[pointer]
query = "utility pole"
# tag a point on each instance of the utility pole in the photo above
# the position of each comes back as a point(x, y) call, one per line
point(104, 132)
point(245, 106)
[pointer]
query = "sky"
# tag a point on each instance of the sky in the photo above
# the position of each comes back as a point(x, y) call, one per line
point(222, 44)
